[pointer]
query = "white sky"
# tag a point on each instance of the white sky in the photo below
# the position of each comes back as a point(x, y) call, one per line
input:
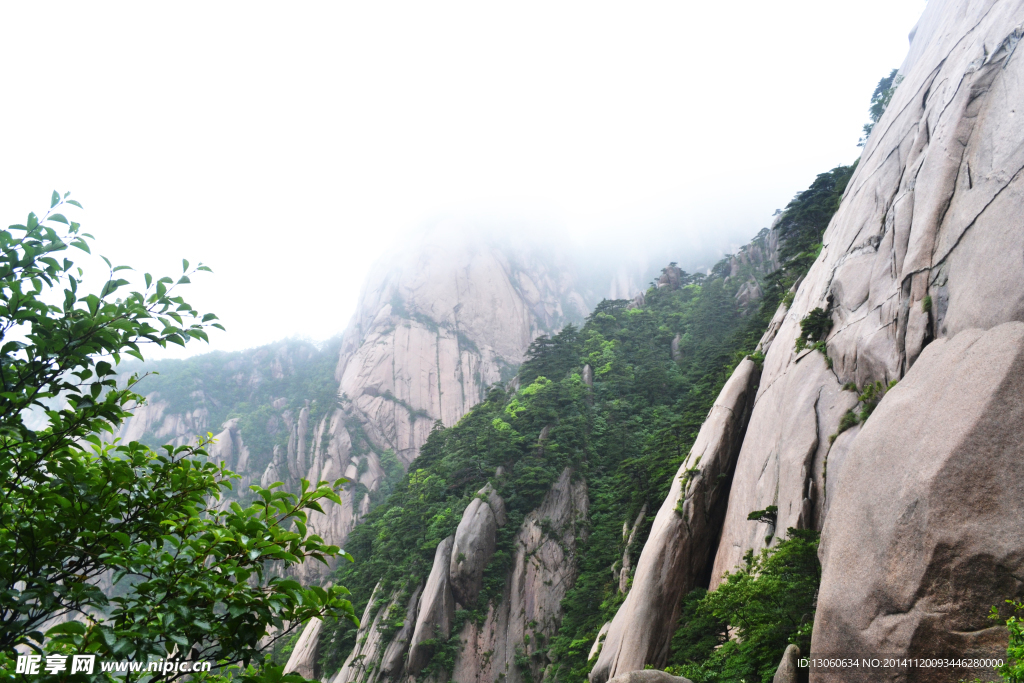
point(289, 145)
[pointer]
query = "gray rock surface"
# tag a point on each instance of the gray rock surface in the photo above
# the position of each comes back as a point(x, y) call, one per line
point(925, 531)
point(925, 244)
point(303, 657)
point(648, 676)
point(474, 545)
point(529, 611)
point(680, 542)
point(627, 560)
point(358, 666)
point(788, 671)
point(393, 661)
point(595, 649)
point(436, 608)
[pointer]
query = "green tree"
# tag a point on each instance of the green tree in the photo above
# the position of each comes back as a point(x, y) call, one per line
point(768, 603)
point(880, 99)
point(192, 575)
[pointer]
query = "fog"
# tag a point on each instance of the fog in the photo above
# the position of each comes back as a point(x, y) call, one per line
point(290, 146)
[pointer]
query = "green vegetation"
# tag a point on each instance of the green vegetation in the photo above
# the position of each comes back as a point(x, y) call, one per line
point(189, 577)
point(626, 437)
point(766, 605)
point(880, 99)
point(245, 385)
point(868, 401)
point(813, 330)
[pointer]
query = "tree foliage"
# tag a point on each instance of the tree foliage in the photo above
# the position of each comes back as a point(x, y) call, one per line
point(626, 436)
point(186, 575)
point(766, 605)
point(880, 99)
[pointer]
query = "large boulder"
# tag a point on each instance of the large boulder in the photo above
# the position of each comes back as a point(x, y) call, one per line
point(474, 544)
point(924, 533)
point(436, 609)
point(681, 540)
point(789, 669)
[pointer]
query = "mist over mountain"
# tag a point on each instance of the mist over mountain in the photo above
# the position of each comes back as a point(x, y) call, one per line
point(698, 456)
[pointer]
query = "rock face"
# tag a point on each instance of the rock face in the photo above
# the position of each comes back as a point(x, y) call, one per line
point(436, 608)
point(595, 649)
point(474, 545)
point(369, 645)
point(925, 245)
point(648, 676)
point(789, 670)
point(394, 656)
point(629, 536)
point(923, 535)
point(525, 616)
point(303, 656)
point(678, 548)
point(919, 533)
point(438, 321)
point(529, 611)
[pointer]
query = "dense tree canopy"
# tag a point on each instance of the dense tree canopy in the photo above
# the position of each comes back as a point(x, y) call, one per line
point(185, 574)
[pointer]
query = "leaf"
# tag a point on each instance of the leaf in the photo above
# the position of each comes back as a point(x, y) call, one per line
point(149, 280)
point(74, 203)
point(54, 199)
point(68, 627)
point(184, 265)
point(58, 218)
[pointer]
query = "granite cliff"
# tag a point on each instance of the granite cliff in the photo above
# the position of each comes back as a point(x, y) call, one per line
point(914, 299)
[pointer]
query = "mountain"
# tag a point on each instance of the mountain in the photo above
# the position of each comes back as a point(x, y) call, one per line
point(847, 387)
point(813, 445)
point(440, 319)
point(886, 414)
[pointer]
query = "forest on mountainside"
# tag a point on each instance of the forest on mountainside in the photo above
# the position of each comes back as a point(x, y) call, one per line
point(626, 437)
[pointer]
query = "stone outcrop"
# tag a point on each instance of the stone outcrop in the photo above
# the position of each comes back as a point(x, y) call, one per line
point(526, 615)
point(437, 323)
point(924, 246)
point(924, 533)
point(529, 612)
point(436, 608)
point(629, 536)
point(595, 649)
point(393, 661)
point(789, 670)
point(677, 550)
point(303, 657)
point(474, 544)
point(369, 646)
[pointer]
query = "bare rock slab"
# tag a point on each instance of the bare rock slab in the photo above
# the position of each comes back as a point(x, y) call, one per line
point(475, 544)
point(682, 537)
point(924, 532)
point(436, 609)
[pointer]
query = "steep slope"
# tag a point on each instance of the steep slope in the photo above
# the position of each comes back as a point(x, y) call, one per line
point(438, 322)
point(915, 499)
point(576, 450)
